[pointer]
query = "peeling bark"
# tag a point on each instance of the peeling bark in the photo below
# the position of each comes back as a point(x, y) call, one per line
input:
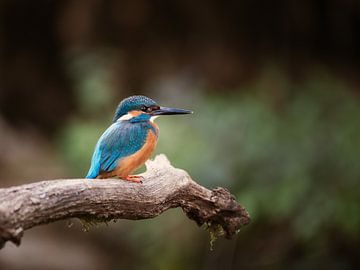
point(164, 187)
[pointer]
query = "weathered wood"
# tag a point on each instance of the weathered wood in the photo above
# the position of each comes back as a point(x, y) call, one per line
point(164, 187)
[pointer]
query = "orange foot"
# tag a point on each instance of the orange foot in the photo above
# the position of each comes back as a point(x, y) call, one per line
point(133, 178)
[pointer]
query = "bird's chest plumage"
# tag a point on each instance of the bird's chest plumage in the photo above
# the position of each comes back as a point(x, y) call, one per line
point(130, 163)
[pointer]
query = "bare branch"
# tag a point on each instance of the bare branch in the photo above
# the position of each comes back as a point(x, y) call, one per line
point(164, 187)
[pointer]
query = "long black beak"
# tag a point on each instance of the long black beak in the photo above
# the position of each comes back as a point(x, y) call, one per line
point(170, 111)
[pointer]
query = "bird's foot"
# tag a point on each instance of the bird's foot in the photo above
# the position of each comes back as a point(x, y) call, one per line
point(133, 178)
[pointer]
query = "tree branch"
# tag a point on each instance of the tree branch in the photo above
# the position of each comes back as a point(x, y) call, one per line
point(164, 187)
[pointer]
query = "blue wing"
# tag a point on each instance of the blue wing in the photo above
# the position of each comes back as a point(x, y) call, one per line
point(121, 139)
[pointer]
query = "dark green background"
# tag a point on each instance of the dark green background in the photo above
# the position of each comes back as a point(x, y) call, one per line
point(275, 90)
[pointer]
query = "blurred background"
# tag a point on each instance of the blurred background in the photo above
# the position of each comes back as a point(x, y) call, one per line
point(275, 90)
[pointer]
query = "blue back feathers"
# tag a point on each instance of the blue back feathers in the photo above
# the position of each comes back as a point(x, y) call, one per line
point(132, 103)
point(120, 140)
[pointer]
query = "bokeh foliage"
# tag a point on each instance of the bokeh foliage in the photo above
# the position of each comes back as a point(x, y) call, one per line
point(290, 157)
point(275, 90)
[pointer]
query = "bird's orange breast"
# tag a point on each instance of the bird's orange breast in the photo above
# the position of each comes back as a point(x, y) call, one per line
point(129, 164)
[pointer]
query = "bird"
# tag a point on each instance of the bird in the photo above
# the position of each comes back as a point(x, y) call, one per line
point(130, 140)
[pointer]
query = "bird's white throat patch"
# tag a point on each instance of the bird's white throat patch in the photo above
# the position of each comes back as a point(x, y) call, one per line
point(130, 115)
point(152, 118)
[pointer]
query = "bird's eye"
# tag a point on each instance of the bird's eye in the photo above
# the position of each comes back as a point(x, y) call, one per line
point(144, 108)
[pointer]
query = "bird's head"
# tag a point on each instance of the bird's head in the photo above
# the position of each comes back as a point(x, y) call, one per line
point(141, 108)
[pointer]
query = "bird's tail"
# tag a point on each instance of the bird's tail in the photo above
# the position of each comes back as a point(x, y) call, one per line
point(91, 174)
point(95, 166)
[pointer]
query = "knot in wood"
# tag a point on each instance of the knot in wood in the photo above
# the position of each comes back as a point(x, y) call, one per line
point(230, 215)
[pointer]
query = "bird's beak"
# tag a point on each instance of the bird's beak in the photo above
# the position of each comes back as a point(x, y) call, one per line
point(170, 111)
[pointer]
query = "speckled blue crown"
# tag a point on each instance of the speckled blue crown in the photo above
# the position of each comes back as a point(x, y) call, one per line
point(132, 103)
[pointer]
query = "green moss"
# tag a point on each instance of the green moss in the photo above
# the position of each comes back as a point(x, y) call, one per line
point(215, 231)
point(89, 222)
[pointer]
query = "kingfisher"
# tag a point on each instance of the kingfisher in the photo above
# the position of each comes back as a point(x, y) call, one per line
point(130, 140)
